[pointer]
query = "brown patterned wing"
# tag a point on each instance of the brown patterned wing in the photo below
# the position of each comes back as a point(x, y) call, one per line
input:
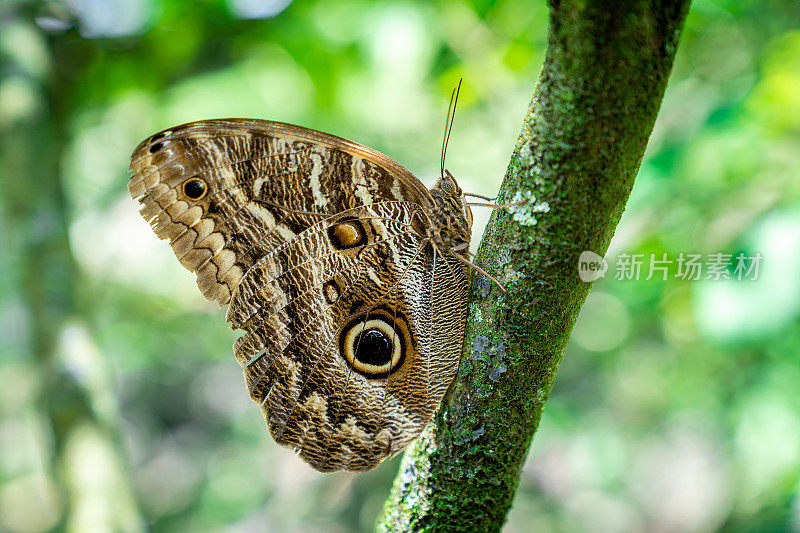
point(350, 352)
point(353, 318)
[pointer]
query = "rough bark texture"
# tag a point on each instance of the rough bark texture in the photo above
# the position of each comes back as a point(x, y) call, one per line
point(580, 148)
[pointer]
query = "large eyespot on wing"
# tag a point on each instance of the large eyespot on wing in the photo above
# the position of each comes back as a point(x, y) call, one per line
point(226, 192)
point(375, 344)
point(371, 348)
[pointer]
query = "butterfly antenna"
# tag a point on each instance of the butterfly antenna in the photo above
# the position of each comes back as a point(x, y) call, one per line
point(448, 123)
point(444, 138)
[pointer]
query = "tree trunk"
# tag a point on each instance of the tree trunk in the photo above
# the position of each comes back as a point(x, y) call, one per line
point(576, 158)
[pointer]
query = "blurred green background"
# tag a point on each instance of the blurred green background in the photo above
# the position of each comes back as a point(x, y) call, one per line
point(677, 407)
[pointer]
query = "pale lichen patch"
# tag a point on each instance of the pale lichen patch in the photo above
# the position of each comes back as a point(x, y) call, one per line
point(528, 209)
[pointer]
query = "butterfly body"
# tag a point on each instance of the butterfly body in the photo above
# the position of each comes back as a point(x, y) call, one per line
point(336, 262)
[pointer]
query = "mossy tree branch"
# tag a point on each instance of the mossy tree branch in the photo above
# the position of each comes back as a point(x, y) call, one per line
point(581, 144)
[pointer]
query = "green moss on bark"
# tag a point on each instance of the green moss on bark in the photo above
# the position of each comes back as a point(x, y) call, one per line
point(576, 158)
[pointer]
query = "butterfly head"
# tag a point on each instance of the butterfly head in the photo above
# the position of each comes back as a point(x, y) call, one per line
point(453, 217)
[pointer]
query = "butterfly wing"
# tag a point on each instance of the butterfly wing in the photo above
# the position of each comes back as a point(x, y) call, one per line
point(318, 246)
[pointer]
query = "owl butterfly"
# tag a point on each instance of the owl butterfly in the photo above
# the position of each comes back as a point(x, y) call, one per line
point(348, 276)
